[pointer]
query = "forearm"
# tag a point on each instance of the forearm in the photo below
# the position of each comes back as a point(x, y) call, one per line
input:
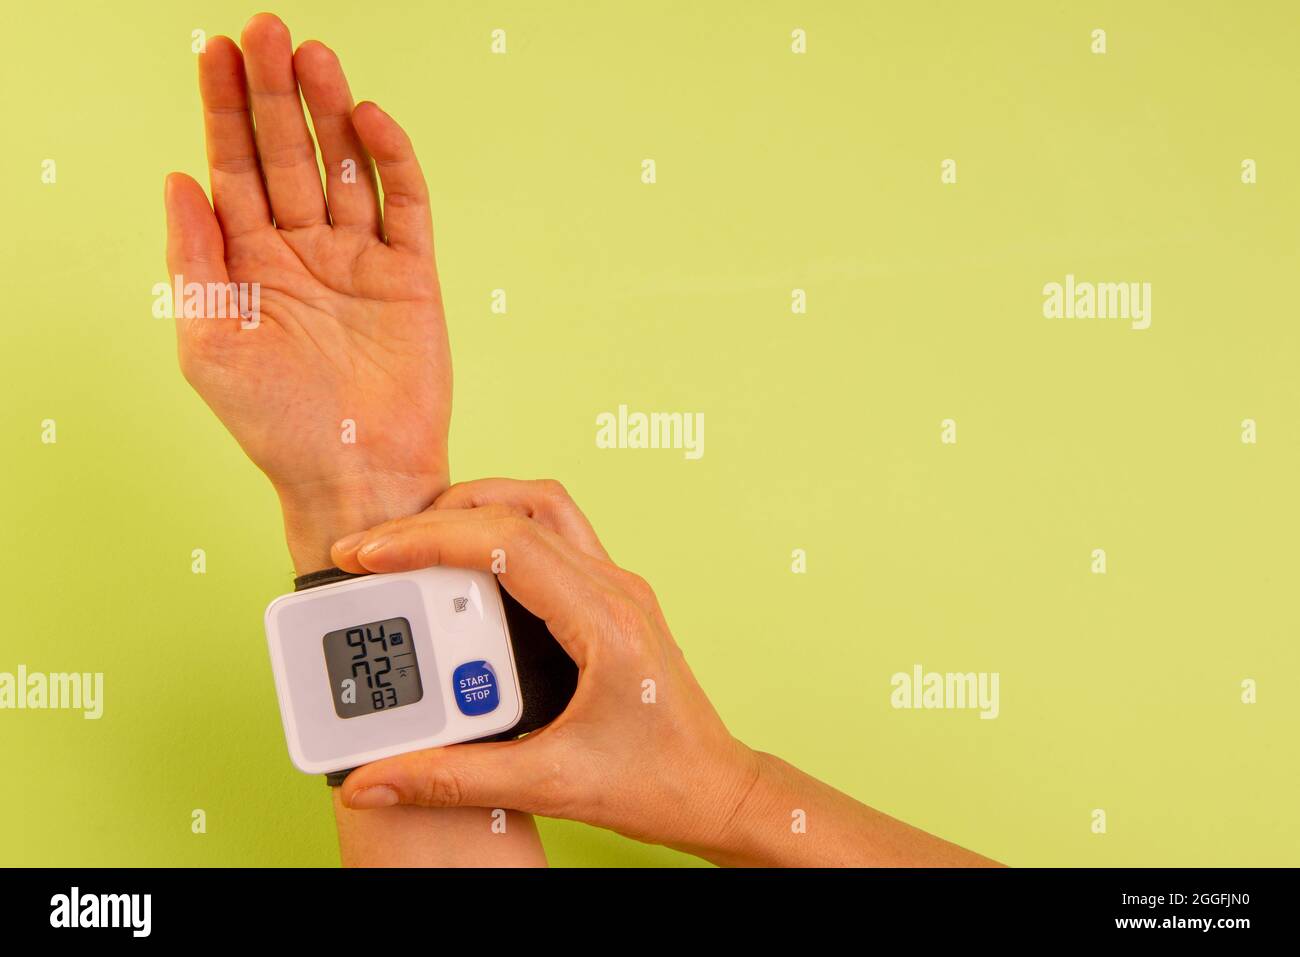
point(789, 819)
point(401, 836)
point(443, 837)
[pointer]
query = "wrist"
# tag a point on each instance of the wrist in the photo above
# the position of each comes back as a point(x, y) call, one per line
point(316, 515)
point(759, 824)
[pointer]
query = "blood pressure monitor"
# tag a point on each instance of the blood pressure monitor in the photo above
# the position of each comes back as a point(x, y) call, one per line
point(371, 666)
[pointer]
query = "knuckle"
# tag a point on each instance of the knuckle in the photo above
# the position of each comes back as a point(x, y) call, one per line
point(288, 154)
point(441, 787)
point(626, 619)
point(551, 788)
point(519, 529)
point(638, 588)
point(552, 490)
point(560, 785)
point(503, 510)
point(402, 199)
point(457, 495)
point(234, 165)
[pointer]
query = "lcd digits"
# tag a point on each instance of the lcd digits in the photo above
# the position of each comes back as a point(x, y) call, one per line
point(372, 668)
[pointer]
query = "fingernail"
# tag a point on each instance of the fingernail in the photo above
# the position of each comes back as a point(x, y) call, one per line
point(374, 546)
point(349, 542)
point(380, 795)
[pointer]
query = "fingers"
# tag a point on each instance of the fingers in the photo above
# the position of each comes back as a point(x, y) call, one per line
point(407, 223)
point(346, 549)
point(287, 152)
point(543, 572)
point(267, 169)
point(195, 249)
point(504, 774)
point(354, 201)
point(547, 502)
point(544, 500)
point(233, 168)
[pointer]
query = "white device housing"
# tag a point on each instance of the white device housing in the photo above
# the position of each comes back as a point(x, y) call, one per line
point(456, 617)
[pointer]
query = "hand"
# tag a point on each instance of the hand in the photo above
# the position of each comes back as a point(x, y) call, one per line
point(639, 749)
point(351, 321)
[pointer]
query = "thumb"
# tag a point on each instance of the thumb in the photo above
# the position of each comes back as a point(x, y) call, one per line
point(196, 250)
point(508, 774)
point(194, 243)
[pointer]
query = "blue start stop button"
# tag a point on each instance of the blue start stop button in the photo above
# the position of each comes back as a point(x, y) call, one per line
point(475, 686)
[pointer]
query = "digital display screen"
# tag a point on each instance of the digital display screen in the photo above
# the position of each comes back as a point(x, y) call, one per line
point(372, 668)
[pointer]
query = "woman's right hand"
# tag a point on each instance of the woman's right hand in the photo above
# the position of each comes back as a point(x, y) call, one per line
point(639, 749)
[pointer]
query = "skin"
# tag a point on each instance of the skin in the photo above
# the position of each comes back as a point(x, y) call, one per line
point(665, 771)
point(349, 303)
point(350, 327)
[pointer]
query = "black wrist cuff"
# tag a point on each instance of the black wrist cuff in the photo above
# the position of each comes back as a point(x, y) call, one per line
point(326, 576)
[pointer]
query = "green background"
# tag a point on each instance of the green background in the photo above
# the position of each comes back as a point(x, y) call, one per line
point(775, 171)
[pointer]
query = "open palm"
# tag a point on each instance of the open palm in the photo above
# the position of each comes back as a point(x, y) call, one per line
point(339, 387)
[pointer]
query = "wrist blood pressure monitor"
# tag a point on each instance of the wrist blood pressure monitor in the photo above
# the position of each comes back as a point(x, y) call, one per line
point(371, 666)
